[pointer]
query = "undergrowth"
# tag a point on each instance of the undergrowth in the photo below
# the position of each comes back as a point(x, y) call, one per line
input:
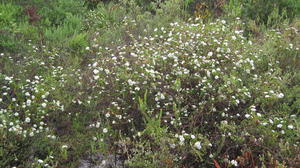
point(160, 83)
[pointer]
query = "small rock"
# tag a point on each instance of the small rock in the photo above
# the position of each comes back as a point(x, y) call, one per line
point(101, 161)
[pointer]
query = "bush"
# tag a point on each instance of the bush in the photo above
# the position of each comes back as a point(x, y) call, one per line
point(71, 26)
point(9, 16)
point(156, 90)
point(60, 10)
point(10, 21)
point(263, 10)
point(105, 16)
point(78, 42)
point(194, 74)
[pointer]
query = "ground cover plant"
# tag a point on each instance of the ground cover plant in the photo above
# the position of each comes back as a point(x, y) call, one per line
point(150, 83)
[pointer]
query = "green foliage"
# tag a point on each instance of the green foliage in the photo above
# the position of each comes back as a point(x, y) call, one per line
point(148, 5)
point(10, 21)
point(57, 12)
point(7, 42)
point(266, 12)
point(16, 150)
point(92, 4)
point(233, 8)
point(70, 27)
point(105, 16)
point(78, 42)
point(153, 124)
point(9, 16)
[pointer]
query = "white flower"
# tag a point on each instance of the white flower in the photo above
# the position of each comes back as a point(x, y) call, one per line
point(95, 138)
point(27, 119)
point(40, 161)
point(279, 125)
point(198, 145)
point(271, 121)
point(131, 82)
point(172, 146)
point(234, 162)
point(162, 96)
point(44, 105)
point(210, 54)
point(64, 146)
point(253, 108)
point(107, 115)
point(103, 162)
point(95, 71)
point(280, 95)
point(105, 130)
point(28, 102)
point(247, 115)
point(193, 136)
point(290, 126)
point(181, 138)
point(95, 64)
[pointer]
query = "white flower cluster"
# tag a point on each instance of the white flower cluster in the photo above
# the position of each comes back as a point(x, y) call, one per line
point(24, 102)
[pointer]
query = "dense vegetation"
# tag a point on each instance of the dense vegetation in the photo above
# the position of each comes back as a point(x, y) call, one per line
point(158, 83)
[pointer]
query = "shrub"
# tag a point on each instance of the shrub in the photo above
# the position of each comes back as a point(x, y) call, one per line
point(157, 90)
point(78, 42)
point(9, 16)
point(208, 83)
point(10, 21)
point(105, 16)
point(70, 27)
point(60, 10)
point(262, 10)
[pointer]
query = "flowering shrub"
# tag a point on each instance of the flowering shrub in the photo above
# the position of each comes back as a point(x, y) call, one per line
point(178, 94)
point(202, 80)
